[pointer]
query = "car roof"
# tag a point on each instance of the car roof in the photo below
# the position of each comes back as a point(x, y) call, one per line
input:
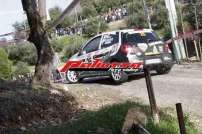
point(129, 31)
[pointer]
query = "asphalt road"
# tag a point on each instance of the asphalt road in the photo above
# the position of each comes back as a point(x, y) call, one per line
point(183, 84)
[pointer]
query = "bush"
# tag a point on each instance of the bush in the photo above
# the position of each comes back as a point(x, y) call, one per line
point(25, 52)
point(93, 26)
point(21, 68)
point(136, 20)
point(75, 44)
point(89, 11)
point(135, 7)
point(60, 42)
point(5, 65)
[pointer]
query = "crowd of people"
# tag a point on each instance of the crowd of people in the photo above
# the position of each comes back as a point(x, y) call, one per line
point(115, 14)
point(110, 16)
point(76, 30)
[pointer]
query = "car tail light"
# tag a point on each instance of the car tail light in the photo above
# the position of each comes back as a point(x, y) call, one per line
point(126, 48)
point(166, 48)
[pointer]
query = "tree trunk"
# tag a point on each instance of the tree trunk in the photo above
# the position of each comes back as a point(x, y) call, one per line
point(39, 37)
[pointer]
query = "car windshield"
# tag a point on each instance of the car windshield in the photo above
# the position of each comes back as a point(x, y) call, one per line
point(140, 37)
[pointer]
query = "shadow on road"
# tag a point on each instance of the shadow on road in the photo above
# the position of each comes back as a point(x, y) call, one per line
point(106, 80)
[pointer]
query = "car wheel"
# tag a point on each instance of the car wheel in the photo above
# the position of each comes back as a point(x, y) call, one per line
point(118, 76)
point(72, 76)
point(163, 70)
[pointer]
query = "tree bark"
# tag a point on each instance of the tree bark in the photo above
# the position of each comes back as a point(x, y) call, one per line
point(39, 37)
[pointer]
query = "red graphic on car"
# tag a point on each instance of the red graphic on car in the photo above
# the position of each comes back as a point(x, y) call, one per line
point(98, 64)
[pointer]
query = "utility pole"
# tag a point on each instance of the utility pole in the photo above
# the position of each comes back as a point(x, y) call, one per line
point(183, 30)
point(179, 50)
point(147, 14)
point(42, 10)
point(197, 28)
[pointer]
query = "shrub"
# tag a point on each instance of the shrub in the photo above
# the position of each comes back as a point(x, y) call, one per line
point(75, 44)
point(135, 7)
point(93, 26)
point(60, 42)
point(21, 68)
point(5, 65)
point(25, 52)
point(89, 11)
point(136, 20)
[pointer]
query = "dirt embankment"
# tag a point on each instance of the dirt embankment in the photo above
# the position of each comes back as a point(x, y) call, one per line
point(23, 108)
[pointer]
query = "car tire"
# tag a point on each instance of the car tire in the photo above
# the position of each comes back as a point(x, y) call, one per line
point(163, 70)
point(118, 76)
point(72, 76)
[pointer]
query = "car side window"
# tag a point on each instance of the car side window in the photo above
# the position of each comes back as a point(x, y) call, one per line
point(109, 40)
point(93, 45)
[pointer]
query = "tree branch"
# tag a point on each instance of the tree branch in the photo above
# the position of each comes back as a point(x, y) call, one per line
point(63, 15)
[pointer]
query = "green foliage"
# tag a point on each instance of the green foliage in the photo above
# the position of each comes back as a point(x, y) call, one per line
point(55, 12)
point(19, 28)
point(135, 7)
point(111, 118)
point(166, 33)
point(137, 17)
point(59, 43)
point(89, 11)
point(74, 45)
point(159, 17)
point(21, 68)
point(25, 52)
point(68, 45)
point(136, 20)
point(68, 21)
point(5, 65)
point(101, 6)
point(169, 125)
point(94, 26)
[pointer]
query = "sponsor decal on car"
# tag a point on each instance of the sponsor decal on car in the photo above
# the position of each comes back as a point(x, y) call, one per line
point(98, 64)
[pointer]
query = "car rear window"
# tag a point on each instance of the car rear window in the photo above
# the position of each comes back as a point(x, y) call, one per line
point(140, 37)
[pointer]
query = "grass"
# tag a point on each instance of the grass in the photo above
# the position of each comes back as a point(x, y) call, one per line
point(111, 119)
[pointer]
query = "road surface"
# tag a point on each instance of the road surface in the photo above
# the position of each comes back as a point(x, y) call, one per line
point(183, 84)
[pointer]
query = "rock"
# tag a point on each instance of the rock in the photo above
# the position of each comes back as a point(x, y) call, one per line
point(23, 128)
point(19, 118)
point(134, 117)
point(53, 123)
point(103, 131)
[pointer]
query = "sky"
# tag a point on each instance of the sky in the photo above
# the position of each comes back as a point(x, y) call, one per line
point(11, 11)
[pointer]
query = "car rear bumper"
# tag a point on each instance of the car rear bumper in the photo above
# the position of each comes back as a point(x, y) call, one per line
point(159, 60)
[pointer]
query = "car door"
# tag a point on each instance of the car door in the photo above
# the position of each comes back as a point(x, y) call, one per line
point(90, 50)
point(109, 45)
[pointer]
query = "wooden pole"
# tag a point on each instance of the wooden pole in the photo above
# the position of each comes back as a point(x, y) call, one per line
point(180, 117)
point(152, 100)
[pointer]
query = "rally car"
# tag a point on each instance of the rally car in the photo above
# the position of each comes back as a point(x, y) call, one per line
point(131, 45)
